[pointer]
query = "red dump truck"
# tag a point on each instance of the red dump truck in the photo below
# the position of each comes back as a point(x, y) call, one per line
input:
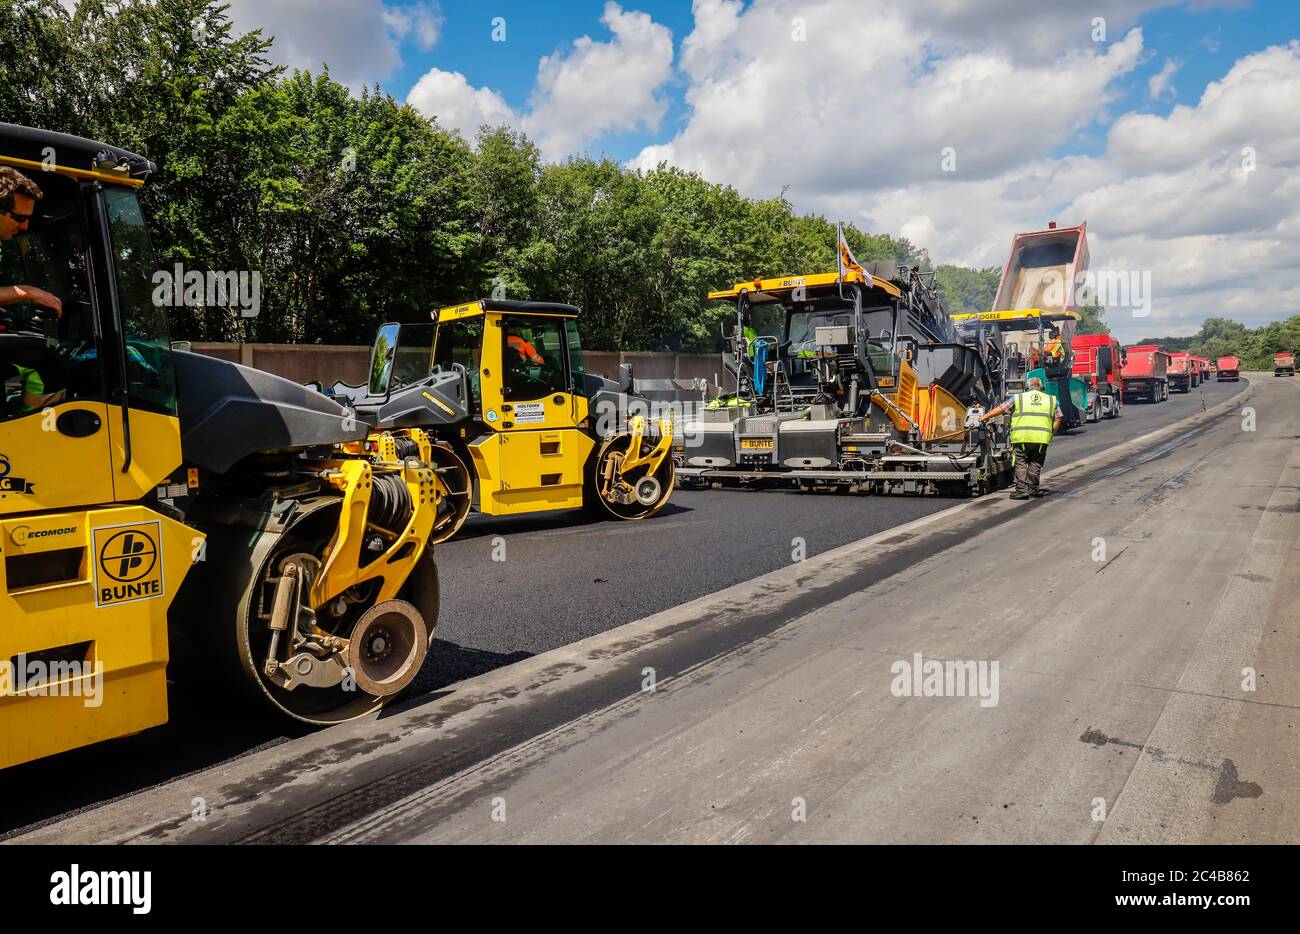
point(1229, 370)
point(1203, 369)
point(1145, 374)
point(1182, 372)
point(1098, 360)
point(1284, 364)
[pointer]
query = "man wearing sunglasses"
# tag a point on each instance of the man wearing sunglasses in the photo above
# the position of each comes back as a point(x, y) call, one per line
point(18, 197)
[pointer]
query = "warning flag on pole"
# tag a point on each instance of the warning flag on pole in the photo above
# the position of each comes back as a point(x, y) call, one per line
point(844, 256)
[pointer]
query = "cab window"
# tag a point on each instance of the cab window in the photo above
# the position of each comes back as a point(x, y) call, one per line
point(576, 365)
point(414, 354)
point(461, 341)
point(533, 356)
point(150, 383)
point(45, 359)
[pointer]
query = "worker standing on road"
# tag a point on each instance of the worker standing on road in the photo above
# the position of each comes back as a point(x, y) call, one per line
point(1035, 419)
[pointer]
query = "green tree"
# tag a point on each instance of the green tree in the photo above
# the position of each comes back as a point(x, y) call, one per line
point(1093, 320)
point(965, 290)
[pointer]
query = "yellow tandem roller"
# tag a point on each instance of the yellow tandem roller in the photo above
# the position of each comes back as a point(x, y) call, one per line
point(154, 500)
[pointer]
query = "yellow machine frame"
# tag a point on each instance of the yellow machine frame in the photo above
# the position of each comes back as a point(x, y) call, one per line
point(539, 465)
point(89, 571)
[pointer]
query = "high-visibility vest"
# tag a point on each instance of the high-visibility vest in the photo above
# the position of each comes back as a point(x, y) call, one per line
point(1032, 416)
point(33, 385)
point(527, 352)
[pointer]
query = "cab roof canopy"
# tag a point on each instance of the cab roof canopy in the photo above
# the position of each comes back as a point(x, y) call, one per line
point(761, 291)
point(28, 148)
point(506, 306)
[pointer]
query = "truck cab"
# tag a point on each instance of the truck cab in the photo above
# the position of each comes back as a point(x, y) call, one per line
point(1099, 362)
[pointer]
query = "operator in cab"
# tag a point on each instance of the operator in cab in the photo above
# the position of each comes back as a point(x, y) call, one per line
point(18, 197)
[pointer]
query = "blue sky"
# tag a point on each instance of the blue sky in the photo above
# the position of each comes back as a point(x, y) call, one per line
point(533, 30)
point(1206, 39)
point(848, 105)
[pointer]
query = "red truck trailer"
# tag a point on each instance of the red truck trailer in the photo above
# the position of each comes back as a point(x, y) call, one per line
point(1284, 364)
point(1229, 370)
point(1098, 360)
point(1145, 374)
point(1182, 372)
point(1203, 373)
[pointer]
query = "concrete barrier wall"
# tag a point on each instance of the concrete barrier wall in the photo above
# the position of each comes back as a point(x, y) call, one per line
point(331, 362)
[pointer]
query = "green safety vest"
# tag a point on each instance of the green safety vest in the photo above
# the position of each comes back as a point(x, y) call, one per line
point(750, 336)
point(32, 385)
point(1032, 417)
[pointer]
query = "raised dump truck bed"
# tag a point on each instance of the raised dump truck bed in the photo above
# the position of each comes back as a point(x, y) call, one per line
point(1042, 269)
point(1038, 285)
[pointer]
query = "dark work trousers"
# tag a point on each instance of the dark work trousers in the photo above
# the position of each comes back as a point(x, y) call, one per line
point(1029, 464)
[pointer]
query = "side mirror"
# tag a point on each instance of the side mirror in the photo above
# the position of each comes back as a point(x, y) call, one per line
point(182, 345)
point(382, 357)
point(625, 378)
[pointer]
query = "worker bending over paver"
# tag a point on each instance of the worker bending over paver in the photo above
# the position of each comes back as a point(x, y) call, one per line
point(1035, 419)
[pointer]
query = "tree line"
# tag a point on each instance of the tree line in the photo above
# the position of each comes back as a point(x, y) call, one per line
point(355, 209)
point(1221, 337)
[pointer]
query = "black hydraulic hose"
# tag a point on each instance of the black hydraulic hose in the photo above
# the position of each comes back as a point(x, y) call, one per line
point(406, 447)
point(390, 503)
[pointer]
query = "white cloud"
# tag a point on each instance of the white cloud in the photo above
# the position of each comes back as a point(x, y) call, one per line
point(420, 21)
point(1256, 98)
point(360, 40)
point(457, 105)
point(864, 102)
point(1031, 29)
point(602, 87)
point(583, 93)
point(1206, 198)
point(1161, 83)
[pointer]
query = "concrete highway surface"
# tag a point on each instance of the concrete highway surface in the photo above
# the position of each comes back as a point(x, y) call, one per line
point(1116, 662)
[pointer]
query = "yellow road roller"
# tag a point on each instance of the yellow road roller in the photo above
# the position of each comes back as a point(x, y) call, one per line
point(153, 499)
point(518, 424)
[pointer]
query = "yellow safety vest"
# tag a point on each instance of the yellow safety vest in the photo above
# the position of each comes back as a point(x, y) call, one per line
point(1032, 417)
